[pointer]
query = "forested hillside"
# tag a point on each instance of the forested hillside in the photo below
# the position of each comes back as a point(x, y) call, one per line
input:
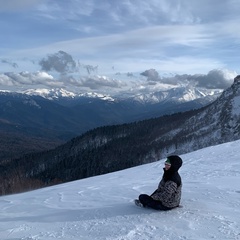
point(101, 150)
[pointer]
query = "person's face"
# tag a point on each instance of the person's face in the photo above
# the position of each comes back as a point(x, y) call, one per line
point(167, 166)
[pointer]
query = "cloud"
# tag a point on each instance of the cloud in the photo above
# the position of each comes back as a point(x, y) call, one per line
point(165, 44)
point(16, 5)
point(68, 10)
point(120, 16)
point(214, 79)
point(28, 79)
point(9, 62)
point(161, 41)
point(125, 14)
point(6, 80)
point(151, 81)
point(151, 74)
point(100, 83)
point(60, 62)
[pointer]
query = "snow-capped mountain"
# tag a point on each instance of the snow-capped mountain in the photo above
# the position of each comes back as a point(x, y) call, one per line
point(177, 94)
point(50, 93)
point(217, 123)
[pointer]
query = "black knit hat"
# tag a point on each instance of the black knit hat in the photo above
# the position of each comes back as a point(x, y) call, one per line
point(176, 162)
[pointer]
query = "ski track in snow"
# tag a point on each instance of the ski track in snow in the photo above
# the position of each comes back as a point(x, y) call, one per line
point(102, 207)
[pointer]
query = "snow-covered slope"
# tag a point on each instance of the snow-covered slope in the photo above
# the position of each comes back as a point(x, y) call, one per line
point(102, 207)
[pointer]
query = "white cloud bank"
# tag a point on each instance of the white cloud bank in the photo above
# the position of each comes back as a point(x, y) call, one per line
point(147, 81)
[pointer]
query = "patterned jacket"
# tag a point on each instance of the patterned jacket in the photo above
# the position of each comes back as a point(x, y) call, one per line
point(170, 187)
point(168, 193)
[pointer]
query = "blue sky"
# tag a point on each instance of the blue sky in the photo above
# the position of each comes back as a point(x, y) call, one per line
point(171, 36)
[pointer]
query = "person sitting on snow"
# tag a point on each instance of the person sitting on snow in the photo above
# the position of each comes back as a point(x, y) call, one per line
point(168, 194)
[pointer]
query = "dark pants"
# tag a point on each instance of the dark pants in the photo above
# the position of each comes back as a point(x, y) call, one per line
point(148, 201)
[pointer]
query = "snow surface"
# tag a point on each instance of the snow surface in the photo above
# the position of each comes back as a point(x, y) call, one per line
point(102, 207)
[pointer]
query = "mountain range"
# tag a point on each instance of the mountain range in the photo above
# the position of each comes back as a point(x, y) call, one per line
point(111, 148)
point(40, 119)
